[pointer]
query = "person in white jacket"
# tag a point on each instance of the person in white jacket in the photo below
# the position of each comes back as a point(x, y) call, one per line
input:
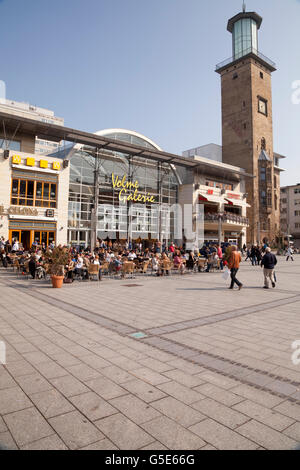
point(289, 253)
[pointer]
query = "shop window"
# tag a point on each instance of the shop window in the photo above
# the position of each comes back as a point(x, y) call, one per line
point(33, 193)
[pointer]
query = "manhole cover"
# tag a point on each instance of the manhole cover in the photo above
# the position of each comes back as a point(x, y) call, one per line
point(138, 335)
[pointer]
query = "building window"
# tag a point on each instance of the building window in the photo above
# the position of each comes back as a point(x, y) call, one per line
point(261, 75)
point(263, 106)
point(263, 198)
point(33, 193)
point(263, 174)
point(297, 213)
point(13, 145)
point(269, 199)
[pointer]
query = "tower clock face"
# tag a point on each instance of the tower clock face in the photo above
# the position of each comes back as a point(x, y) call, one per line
point(262, 107)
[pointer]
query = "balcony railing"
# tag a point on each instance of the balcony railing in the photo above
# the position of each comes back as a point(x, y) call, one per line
point(226, 218)
point(243, 54)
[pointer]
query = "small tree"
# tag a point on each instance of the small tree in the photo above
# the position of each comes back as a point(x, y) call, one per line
point(58, 258)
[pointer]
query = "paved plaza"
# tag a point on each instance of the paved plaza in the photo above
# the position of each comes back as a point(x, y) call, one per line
point(179, 362)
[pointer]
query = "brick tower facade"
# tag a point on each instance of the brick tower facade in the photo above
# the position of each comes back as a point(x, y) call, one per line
point(247, 126)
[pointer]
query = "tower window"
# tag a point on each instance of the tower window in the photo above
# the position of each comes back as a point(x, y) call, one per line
point(261, 75)
point(262, 106)
point(235, 76)
point(245, 126)
point(244, 104)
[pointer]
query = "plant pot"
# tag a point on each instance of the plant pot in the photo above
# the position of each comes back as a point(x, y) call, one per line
point(57, 281)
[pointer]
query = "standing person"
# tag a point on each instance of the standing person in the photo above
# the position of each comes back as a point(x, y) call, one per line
point(269, 262)
point(289, 253)
point(234, 265)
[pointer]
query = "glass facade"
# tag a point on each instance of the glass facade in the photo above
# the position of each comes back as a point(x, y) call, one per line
point(13, 145)
point(129, 189)
point(245, 37)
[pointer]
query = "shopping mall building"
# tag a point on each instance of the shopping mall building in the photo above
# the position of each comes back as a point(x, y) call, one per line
point(114, 184)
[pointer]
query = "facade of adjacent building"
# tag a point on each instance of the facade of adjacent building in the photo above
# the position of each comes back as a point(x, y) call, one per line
point(290, 213)
point(247, 126)
point(42, 147)
point(33, 192)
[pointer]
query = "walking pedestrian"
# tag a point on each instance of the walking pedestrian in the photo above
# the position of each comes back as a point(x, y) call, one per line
point(289, 253)
point(234, 265)
point(269, 262)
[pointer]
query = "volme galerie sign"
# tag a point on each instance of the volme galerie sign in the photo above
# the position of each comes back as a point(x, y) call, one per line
point(124, 185)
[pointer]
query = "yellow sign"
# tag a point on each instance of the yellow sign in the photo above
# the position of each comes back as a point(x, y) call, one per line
point(43, 164)
point(56, 165)
point(135, 196)
point(16, 159)
point(30, 161)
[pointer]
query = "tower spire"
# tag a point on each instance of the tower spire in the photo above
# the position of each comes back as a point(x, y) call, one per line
point(244, 6)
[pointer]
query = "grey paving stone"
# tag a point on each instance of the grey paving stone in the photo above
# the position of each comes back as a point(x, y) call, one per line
point(105, 444)
point(172, 435)
point(19, 368)
point(6, 381)
point(48, 443)
point(69, 385)
point(51, 370)
point(65, 359)
point(75, 430)
point(135, 409)
point(93, 406)
point(148, 375)
point(3, 427)
point(282, 388)
point(143, 390)
point(218, 394)
point(36, 357)
point(264, 415)
point(33, 383)
point(183, 378)
point(13, 399)
point(220, 413)
point(83, 372)
point(178, 411)
point(292, 410)
point(258, 396)
point(105, 388)
point(266, 437)
point(124, 433)
point(221, 437)
point(117, 374)
point(51, 403)
point(7, 442)
point(182, 393)
point(293, 431)
point(27, 426)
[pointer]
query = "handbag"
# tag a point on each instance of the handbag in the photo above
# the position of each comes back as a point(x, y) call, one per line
point(226, 274)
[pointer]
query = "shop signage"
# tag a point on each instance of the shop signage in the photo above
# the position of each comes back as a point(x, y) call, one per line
point(49, 213)
point(210, 191)
point(233, 196)
point(124, 186)
point(30, 161)
point(19, 211)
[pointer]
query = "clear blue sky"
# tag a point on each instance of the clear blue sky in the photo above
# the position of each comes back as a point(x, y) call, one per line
point(145, 65)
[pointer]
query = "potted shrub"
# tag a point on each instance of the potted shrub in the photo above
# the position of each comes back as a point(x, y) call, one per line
point(58, 258)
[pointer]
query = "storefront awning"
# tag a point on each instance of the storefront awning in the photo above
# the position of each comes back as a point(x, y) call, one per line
point(210, 198)
point(236, 202)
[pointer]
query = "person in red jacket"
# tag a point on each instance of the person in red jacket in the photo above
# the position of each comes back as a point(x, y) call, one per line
point(234, 265)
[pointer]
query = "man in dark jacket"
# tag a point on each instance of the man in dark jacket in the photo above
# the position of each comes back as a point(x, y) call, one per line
point(269, 262)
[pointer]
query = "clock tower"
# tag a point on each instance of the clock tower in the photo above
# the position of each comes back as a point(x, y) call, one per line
point(247, 126)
